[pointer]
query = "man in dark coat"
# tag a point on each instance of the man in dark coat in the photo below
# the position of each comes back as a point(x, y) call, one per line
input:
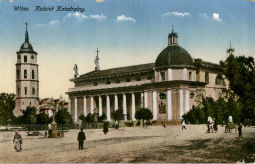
point(81, 138)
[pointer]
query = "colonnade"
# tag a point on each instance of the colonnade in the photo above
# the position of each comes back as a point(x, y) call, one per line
point(183, 104)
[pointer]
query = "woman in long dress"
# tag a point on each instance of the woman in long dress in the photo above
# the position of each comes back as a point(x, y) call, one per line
point(17, 141)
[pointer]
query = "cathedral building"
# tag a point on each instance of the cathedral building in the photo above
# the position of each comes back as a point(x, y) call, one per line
point(27, 79)
point(169, 87)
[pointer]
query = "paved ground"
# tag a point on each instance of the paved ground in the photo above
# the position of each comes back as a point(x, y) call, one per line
point(137, 144)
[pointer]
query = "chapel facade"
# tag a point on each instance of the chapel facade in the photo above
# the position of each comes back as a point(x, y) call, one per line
point(169, 87)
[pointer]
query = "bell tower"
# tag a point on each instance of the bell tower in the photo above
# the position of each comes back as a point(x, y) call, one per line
point(27, 80)
point(172, 38)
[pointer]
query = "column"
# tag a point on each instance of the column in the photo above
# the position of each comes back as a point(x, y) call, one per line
point(133, 107)
point(75, 110)
point(181, 102)
point(108, 111)
point(85, 106)
point(100, 106)
point(145, 100)
point(124, 107)
point(169, 73)
point(142, 100)
point(185, 76)
point(154, 104)
point(186, 100)
point(116, 102)
point(69, 105)
point(169, 104)
point(91, 105)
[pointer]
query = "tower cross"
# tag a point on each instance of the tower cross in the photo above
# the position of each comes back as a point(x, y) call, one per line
point(26, 25)
point(97, 52)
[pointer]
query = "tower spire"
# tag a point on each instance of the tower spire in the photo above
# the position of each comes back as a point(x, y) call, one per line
point(172, 28)
point(230, 50)
point(97, 68)
point(26, 34)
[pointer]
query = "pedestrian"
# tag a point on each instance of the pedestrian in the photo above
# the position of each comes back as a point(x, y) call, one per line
point(49, 130)
point(17, 141)
point(240, 130)
point(183, 125)
point(81, 137)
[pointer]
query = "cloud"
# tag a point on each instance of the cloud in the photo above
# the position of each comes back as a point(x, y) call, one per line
point(77, 15)
point(99, 0)
point(125, 18)
point(53, 22)
point(50, 23)
point(98, 17)
point(81, 17)
point(175, 13)
point(216, 17)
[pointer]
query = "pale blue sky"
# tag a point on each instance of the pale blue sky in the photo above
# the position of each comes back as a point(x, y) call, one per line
point(126, 32)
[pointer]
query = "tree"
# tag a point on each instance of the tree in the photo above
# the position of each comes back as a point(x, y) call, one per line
point(42, 118)
point(29, 117)
point(144, 114)
point(63, 117)
point(7, 104)
point(118, 115)
point(240, 71)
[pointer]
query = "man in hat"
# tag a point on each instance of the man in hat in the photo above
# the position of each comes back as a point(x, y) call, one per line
point(81, 138)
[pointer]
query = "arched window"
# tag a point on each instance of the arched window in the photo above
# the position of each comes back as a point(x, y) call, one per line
point(25, 90)
point(206, 77)
point(25, 59)
point(32, 57)
point(18, 56)
point(17, 74)
point(33, 74)
point(33, 91)
point(25, 74)
point(219, 80)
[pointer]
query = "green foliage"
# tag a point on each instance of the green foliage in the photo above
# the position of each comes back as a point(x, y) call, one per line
point(144, 114)
point(42, 118)
point(63, 117)
point(28, 117)
point(118, 115)
point(7, 104)
point(102, 118)
point(240, 71)
point(220, 109)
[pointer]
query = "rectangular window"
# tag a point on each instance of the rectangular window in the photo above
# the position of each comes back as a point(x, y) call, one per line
point(25, 90)
point(18, 91)
point(33, 74)
point(190, 75)
point(25, 59)
point(25, 74)
point(163, 77)
point(17, 74)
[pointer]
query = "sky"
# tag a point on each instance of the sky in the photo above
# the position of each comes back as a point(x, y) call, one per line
point(126, 32)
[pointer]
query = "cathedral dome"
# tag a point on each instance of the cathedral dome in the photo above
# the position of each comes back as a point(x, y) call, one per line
point(174, 56)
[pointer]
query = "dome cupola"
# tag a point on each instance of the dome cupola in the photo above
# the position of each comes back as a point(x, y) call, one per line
point(174, 56)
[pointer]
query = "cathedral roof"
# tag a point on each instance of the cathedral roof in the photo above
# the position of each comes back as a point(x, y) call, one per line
point(174, 56)
point(26, 47)
point(119, 70)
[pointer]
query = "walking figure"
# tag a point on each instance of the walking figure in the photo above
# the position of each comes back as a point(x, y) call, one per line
point(49, 130)
point(17, 141)
point(183, 125)
point(240, 130)
point(81, 138)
